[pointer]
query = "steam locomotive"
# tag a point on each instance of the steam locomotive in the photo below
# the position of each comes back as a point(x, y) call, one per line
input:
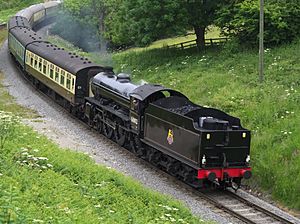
point(202, 146)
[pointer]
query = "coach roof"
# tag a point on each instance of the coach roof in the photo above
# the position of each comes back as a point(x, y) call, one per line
point(26, 35)
point(18, 21)
point(28, 12)
point(71, 62)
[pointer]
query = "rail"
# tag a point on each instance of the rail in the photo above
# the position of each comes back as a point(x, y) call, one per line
point(193, 43)
point(243, 209)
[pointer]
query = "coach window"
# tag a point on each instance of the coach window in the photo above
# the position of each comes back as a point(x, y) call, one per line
point(73, 83)
point(40, 64)
point(27, 57)
point(56, 74)
point(35, 63)
point(68, 83)
point(62, 78)
point(45, 67)
point(31, 61)
point(51, 71)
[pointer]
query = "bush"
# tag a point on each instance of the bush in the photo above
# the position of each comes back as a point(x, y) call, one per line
point(8, 124)
point(241, 20)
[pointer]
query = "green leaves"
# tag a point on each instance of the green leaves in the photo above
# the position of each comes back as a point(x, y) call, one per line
point(8, 125)
point(132, 22)
point(240, 19)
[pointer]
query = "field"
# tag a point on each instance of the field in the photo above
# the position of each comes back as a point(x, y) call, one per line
point(9, 8)
point(42, 183)
point(228, 79)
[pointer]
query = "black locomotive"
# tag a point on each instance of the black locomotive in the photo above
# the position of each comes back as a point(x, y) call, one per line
point(196, 144)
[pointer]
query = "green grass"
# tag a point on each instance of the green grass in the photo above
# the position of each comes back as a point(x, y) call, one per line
point(11, 7)
point(7, 103)
point(213, 32)
point(42, 183)
point(3, 36)
point(100, 58)
point(229, 81)
point(69, 187)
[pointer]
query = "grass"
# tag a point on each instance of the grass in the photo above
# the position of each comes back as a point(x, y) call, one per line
point(42, 183)
point(7, 103)
point(3, 36)
point(213, 32)
point(228, 80)
point(11, 7)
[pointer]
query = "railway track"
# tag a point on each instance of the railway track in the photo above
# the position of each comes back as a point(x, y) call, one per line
point(225, 201)
point(242, 209)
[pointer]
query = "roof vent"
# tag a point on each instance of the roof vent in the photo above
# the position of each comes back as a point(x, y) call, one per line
point(72, 56)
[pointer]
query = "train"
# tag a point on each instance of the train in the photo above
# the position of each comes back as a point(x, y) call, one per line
point(202, 146)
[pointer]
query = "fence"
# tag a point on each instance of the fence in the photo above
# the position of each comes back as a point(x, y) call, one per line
point(2, 26)
point(193, 43)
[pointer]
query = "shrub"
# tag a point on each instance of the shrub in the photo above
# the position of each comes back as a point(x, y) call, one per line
point(8, 124)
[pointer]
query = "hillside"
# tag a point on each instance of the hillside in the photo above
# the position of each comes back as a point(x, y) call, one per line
point(228, 80)
point(43, 183)
point(9, 8)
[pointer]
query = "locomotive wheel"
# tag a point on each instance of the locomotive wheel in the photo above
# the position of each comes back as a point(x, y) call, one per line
point(154, 156)
point(120, 135)
point(173, 168)
point(107, 130)
point(97, 123)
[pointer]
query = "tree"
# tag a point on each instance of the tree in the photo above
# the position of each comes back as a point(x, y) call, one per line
point(85, 18)
point(240, 19)
point(201, 14)
point(131, 22)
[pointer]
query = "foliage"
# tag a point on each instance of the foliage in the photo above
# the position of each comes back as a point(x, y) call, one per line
point(11, 7)
point(73, 189)
point(8, 125)
point(229, 81)
point(140, 22)
point(240, 19)
point(9, 210)
point(42, 183)
point(86, 39)
point(130, 22)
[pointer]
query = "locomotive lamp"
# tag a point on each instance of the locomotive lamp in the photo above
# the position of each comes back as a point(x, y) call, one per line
point(248, 160)
point(203, 160)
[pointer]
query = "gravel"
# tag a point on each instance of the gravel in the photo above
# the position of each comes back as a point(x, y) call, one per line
point(58, 126)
